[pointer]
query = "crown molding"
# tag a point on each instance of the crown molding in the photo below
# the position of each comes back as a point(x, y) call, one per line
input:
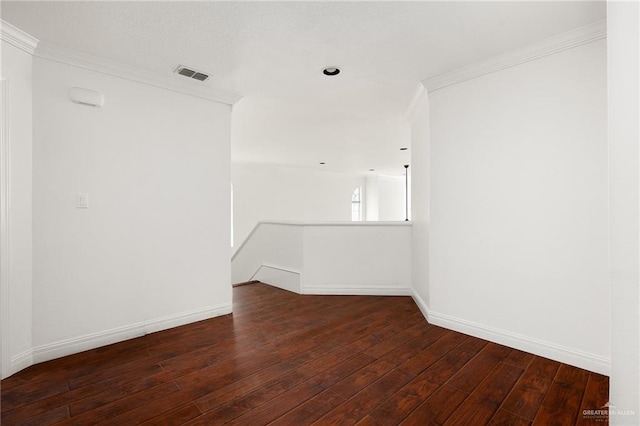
point(31, 45)
point(567, 40)
point(79, 59)
point(419, 101)
point(17, 37)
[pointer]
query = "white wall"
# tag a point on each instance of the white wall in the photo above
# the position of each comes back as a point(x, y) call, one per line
point(265, 192)
point(366, 258)
point(391, 199)
point(16, 76)
point(152, 249)
point(518, 220)
point(623, 46)
point(372, 198)
point(372, 258)
point(385, 198)
point(419, 120)
point(275, 244)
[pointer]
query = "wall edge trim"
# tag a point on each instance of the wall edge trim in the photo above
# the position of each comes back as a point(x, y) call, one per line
point(555, 44)
point(79, 59)
point(420, 100)
point(277, 283)
point(21, 361)
point(538, 347)
point(336, 290)
point(17, 38)
point(273, 266)
point(5, 229)
point(424, 309)
point(52, 52)
point(74, 345)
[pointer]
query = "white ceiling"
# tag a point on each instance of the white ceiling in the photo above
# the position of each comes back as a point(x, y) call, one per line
point(272, 54)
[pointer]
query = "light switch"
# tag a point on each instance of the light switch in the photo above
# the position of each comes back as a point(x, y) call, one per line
point(82, 201)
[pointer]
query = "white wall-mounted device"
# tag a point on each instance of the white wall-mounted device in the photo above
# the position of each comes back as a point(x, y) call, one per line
point(87, 97)
point(82, 201)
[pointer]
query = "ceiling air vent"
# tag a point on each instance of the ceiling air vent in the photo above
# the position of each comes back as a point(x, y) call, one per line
point(200, 76)
point(187, 72)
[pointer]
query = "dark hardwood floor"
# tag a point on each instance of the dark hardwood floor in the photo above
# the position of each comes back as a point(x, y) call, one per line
point(286, 359)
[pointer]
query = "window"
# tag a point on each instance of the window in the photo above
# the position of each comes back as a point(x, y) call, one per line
point(356, 205)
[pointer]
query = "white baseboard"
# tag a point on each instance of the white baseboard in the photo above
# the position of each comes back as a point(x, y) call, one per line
point(421, 304)
point(356, 290)
point(278, 276)
point(172, 321)
point(91, 341)
point(20, 361)
point(524, 343)
point(538, 347)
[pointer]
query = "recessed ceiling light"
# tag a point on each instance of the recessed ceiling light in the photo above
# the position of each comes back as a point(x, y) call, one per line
point(322, 162)
point(331, 71)
point(371, 170)
point(403, 149)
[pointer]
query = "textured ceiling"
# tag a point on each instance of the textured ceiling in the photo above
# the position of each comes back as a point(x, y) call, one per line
point(272, 53)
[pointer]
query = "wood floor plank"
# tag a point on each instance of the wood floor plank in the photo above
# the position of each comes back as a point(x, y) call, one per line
point(53, 416)
point(562, 402)
point(527, 395)
point(475, 371)
point(290, 359)
point(519, 359)
point(163, 404)
point(248, 335)
point(437, 408)
point(121, 405)
point(560, 406)
point(177, 416)
point(485, 400)
point(109, 395)
point(279, 406)
point(596, 397)
point(52, 372)
point(295, 344)
point(19, 397)
point(311, 410)
point(324, 358)
point(368, 421)
point(62, 399)
point(392, 343)
point(367, 400)
point(303, 384)
point(423, 360)
point(421, 387)
point(101, 374)
point(411, 347)
point(243, 386)
point(362, 378)
point(505, 418)
point(213, 377)
point(452, 362)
